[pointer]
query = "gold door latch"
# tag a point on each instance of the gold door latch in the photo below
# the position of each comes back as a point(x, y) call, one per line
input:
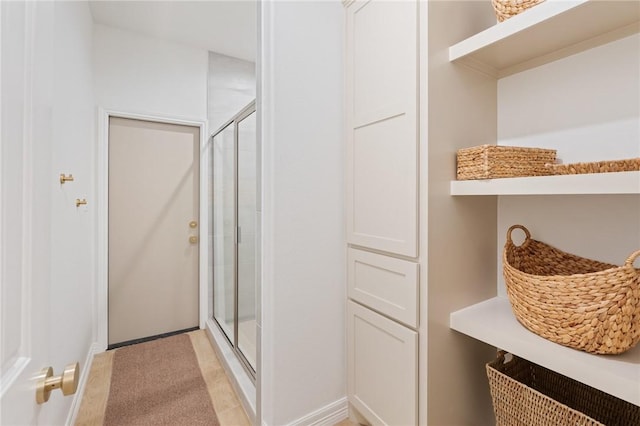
point(193, 239)
point(67, 382)
point(193, 224)
point(80, 202)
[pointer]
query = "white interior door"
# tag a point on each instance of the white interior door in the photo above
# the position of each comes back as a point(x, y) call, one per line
point(153, 228)
point(25, 193)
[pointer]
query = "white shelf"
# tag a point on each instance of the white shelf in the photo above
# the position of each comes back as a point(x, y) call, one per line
point(597, 183)
point(493, 322)
point(547, 32)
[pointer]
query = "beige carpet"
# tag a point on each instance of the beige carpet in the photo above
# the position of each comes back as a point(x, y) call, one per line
point(158, 383)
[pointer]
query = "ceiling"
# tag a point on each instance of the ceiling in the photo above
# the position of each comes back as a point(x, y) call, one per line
point(227, 27)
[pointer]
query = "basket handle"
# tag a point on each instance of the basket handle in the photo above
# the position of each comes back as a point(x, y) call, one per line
point(521, 227)
point(632, 258)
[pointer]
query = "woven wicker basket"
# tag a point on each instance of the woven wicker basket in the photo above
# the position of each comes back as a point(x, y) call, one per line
point(497, 161)
point(505, 9)
point(629, 165)
point(570, 300)
point(526, 394)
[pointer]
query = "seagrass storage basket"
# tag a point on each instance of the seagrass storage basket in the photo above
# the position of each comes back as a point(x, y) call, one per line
point(576, 302)
point(505, 9)
point(496, 161)
point(526, 394)
point(628, 165)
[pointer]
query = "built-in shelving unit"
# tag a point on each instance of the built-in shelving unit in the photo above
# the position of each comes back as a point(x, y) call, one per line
point(547, 32)
point(597, 183)
point(493, 322)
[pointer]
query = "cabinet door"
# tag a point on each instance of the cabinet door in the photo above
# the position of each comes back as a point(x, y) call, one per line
point(384, 283)
point(383, 372)
point(382, 133)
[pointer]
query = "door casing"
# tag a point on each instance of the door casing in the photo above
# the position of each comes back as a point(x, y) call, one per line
point(102, 237)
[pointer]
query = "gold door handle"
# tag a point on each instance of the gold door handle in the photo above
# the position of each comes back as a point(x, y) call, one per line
point(193, 239)
point(193, 224)
point(67, 382)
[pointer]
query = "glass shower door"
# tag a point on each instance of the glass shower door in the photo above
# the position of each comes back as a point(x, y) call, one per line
point(224, 229)
point(233, 209)
point(247, 215)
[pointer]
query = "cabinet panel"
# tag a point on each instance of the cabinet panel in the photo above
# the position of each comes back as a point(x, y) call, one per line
point(383, 53)
point(383, 187)
point(382, 170)
point(383, 379)
point(386, 284)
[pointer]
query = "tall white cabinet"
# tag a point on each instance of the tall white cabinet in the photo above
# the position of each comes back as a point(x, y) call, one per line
point(424, 79)
point(403, 242)
point(382, 209)
point(396, 80)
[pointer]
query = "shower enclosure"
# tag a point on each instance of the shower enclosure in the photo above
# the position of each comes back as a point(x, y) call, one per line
point(233, 212)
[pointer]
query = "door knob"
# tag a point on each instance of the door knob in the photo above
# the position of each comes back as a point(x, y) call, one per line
point(193, 224)
point(67, 382)
point(193, 239)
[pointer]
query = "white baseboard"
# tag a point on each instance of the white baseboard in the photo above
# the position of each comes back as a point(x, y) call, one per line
point(84, 375)
point(328, 415)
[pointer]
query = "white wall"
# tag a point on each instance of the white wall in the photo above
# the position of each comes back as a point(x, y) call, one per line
point(458, 231)
point(140, 74)
point(72, 229)
point(303, 290)
point(232, 85)
point(587, 107)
